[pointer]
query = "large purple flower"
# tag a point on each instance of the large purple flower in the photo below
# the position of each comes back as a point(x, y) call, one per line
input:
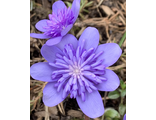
point(78, 68)
point(60, 22)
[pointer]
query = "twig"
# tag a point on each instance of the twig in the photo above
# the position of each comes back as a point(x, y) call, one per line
point(105, 98)
point(62, 107)
point(117, 67)
point(37, 60)
point(32, 15)
point(59, 106)
point(99, 12)
point(100, 3)
point(122, 5)
point(109, 39)
point(97, 5)
point(80, 32)
point(40, 42)
point(106, 28)
point(123, 59)
point(44, 85)
point(115, 15)
point(36, 86)
point(122, 20)
point(119, 28)
point(46, 115)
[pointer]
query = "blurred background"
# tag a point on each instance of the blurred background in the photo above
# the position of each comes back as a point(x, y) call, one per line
point(109, 17)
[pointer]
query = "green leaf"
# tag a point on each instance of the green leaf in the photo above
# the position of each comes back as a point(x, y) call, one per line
point(31, 107)
point(85, 10)
point(108, 118)
point(83, 2)
point(119, 90)
point(122, 84)
point(89, 4)
point(123, 93)
point(111, 113)
point(81, 15)
point(68, 4)
point(82, 5)
point(122, 39)
point(114, 94)
point(31, 5)
point(122, 109)
point(115, 119)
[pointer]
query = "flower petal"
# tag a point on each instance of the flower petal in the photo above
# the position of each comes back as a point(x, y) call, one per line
point(111, 54)
point(124, 117)
point(40, 36)
point(75, 8)
point(91, 37)
point(42, 71)
point(50, 95)
point(66, 30)
point(58, 5)
point(41, 24)
point(92, 106)
point(53, 41)
point(112, 82)
point(49, 52)
point(68, 39)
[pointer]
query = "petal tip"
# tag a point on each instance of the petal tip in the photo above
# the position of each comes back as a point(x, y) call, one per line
point(75, 8)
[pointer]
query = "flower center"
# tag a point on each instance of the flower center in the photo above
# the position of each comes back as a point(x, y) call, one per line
point(75, 70)
point(63, 17)
point(78, 71)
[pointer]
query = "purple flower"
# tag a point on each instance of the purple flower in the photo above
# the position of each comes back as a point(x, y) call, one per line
point(124, 118)
point(78, 69)
point(60, 22)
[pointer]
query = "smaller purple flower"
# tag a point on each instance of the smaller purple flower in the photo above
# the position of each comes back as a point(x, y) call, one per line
point(124, 118)
point(78, 68)
point(60, 22)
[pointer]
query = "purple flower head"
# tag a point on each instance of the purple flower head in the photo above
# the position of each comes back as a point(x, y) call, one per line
point(60, 22)
point(124, 118)
point(78, 69)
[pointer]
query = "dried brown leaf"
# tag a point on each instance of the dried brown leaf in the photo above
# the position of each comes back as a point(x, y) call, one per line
point(53, 110)
point(107, 10)
point(96, 118)
point(41, 114)
point(75, 113)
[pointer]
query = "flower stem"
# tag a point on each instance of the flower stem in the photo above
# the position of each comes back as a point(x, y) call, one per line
point(122, 39)
point(121, 100)
point(104, 102)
